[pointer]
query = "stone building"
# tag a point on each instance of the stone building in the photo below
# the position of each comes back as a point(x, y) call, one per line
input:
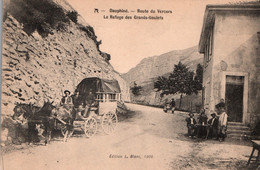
point(230, 42)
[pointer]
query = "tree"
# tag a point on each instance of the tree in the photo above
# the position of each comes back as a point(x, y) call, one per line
point(136, 89)
point(162, 84)
point(181, 81)
point(198, 77)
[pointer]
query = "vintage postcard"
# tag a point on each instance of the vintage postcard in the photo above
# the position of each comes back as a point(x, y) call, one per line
point(125, 85)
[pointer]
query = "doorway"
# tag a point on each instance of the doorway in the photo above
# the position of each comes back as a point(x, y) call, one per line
point(234, 97)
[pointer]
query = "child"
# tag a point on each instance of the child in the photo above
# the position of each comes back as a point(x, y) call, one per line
point(222, 121)
point(191, 122)
point(213, 126)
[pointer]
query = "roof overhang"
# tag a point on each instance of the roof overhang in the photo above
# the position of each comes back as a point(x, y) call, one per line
point(209, 17)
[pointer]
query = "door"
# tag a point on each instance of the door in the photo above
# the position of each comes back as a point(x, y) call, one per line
point(234, 98)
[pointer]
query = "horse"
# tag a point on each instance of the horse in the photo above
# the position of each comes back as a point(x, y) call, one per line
point(65, 116)
point(44, 116)
point(22, 110)
point(35, 115)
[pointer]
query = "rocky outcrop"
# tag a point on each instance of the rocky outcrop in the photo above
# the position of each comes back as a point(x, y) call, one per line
point(37, 68)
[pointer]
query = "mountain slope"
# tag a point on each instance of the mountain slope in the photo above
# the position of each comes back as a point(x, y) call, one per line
point(155, 66)
point(147, 71)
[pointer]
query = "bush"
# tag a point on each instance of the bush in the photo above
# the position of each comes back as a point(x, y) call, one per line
point(40, 15)
point(90, 32)
point(73, 15)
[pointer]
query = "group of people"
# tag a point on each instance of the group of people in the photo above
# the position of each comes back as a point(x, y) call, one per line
point(169, 105)
point(77, 106)
point(215, 127)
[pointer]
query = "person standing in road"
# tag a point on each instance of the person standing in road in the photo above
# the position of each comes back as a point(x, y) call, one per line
point(173, 105)
point(166, 102)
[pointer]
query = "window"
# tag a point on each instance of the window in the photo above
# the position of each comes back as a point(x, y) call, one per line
point(112, 97)
point(209, 47)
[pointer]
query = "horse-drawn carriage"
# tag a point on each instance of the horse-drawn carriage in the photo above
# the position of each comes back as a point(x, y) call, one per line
point(102, 112)
point(105, 118)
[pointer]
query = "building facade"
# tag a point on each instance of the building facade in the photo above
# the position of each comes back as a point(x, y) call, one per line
point(230, 42)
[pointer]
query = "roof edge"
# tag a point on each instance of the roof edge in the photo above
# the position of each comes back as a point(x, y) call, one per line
point(251, 6)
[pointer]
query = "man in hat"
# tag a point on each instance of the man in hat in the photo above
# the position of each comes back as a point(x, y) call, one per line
point(66, 100)
point(222, 121)
point(213, 126)
point(191, 122)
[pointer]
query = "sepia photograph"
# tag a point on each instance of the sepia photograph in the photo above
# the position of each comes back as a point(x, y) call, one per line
point(130, 85)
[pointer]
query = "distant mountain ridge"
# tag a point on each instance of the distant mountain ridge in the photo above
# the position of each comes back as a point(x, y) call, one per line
point(152, 67)
point(146, 72)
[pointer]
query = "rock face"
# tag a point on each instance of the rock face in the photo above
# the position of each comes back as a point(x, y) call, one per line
point(155, 66)
point(37, 68)
point(147, 71)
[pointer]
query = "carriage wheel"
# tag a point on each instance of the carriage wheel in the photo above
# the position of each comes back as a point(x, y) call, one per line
point(90, 127)
point(109, 122)
point(64, 130)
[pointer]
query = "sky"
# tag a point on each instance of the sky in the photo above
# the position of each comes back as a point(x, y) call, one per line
point(128, 41)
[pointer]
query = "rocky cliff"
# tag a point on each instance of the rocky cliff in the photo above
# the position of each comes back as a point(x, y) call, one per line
point(147, 71)
point(155, 66)
point(47, 49)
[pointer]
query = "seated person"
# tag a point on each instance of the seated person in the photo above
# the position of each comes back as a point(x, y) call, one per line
point(202, 122)
point(81, 112)
point(213, 126)
point(78, 112)
point(66, 100)
point(90, 101)
point(202, 118)
point(191, 122)
point(76, 98)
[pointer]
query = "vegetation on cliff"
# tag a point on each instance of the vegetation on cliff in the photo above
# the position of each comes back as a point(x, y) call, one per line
point(45, 16)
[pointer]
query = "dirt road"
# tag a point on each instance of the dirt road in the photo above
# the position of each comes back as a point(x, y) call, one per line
point(150, 139)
